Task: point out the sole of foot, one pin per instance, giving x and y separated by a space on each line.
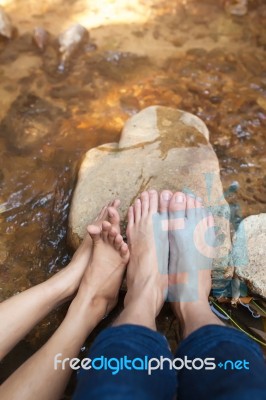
70 276
103 276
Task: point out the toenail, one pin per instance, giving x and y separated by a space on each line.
166 196
191 195
199 199
179 198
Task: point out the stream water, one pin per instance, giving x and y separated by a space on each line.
186 54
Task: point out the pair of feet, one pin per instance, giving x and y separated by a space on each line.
169 254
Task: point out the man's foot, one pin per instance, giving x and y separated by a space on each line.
103 277
69 277
192 239
147 272
192 249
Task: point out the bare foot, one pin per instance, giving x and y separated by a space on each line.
103 277
71 275
192 249
147 272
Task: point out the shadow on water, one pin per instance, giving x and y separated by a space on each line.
190 55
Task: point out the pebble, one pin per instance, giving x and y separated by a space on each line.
6 28
69 41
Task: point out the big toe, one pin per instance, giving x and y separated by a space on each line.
94 232
165 198
153 197
177 211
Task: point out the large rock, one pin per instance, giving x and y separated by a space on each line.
160 148
250 253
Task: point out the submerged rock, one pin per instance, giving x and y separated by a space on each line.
6 27
29 121
250 253
160 148
69 41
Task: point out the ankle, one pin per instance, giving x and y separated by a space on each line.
134 314
194 315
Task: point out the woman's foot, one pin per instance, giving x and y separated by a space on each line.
147 272
67 281
192 249
103 277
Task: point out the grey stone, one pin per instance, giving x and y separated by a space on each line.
249 253
160 148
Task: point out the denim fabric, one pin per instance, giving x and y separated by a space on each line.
132 341
221 343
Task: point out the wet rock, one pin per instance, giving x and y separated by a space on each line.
159 148
69 42
29 120
6 28
40 37
250 253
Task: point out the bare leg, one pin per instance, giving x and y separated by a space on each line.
147 272
192 239
37 377
20 313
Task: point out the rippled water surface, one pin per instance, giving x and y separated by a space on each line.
187 54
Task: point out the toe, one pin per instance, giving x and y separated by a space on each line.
94 232
116 203
112 234
106 226
210 220
101 213
153 200
198 202
178 204
124 251
130 222
130 217
199 209
177 207
144 197
137 210
113 216
118 241
191 205
165 198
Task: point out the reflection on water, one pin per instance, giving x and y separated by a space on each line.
191 55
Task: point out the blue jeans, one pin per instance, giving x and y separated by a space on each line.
238 371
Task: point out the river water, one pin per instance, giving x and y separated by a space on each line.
192 55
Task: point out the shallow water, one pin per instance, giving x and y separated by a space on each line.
186 54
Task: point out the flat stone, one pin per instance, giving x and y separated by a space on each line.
160 148
250 253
